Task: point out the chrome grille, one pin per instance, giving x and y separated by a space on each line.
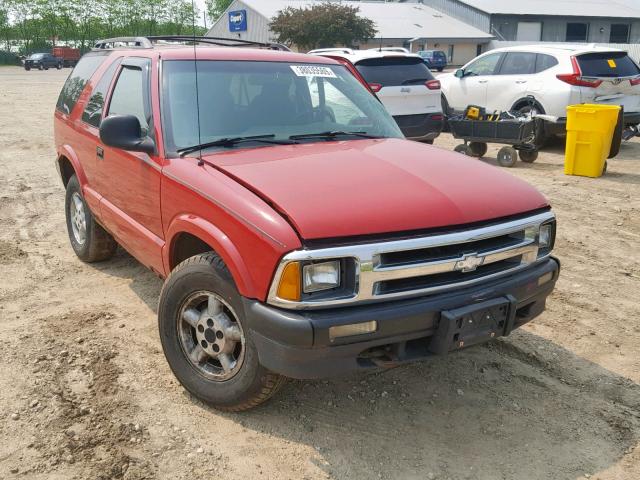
425 265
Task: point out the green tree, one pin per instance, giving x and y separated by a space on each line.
6 31
323 25
215 8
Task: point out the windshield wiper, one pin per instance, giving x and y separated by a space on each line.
414 80
232 141
332 134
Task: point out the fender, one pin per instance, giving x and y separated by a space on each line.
217 240
90 195
70 154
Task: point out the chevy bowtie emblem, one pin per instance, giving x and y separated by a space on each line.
469 262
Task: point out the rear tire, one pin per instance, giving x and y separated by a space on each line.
206 340
440 69
528 156
507 157
477 149
543 138
90 242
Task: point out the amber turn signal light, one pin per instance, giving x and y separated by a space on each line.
289 286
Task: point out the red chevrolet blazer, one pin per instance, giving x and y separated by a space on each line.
299 233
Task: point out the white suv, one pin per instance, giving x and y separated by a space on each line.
555 76
404 85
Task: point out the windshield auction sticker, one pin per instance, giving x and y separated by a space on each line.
312 71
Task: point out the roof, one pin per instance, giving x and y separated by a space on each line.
565 8
393 20
207 52
357 55
558 48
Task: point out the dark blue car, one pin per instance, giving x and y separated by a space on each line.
435 59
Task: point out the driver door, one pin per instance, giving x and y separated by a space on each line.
130 204
472 88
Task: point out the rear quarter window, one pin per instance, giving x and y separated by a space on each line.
78 79
607 64
394 71
545 62
93 111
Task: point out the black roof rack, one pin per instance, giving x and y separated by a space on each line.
148 42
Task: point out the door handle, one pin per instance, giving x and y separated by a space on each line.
483 81
100 152
521 81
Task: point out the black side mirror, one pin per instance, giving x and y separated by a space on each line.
459 73
123 131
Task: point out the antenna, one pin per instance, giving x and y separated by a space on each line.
195 68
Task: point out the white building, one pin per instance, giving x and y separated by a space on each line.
412 25
597 21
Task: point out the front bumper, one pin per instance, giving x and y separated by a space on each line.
420 127
297 343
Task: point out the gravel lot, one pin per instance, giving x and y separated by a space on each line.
85 391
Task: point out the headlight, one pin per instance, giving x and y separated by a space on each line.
326 279
320 276
546 238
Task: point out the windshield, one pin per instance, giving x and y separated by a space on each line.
36 56
247 99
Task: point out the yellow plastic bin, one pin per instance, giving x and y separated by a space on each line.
589 133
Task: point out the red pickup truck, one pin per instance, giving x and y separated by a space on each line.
299 233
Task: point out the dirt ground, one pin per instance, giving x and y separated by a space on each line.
85 391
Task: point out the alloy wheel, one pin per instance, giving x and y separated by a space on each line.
211 336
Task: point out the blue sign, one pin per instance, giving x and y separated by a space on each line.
238 21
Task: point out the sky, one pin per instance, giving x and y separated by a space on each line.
201 7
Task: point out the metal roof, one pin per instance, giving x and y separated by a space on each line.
393 20
564 8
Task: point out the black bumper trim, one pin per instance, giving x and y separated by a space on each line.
297 344
420 126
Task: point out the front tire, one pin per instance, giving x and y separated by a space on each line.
463 149
206 340
90 242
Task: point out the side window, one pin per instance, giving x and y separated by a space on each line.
483 66
518 63
78 79
93 111
545 62
130 95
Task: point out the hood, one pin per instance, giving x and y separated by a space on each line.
363 187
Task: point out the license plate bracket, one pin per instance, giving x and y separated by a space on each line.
473 324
